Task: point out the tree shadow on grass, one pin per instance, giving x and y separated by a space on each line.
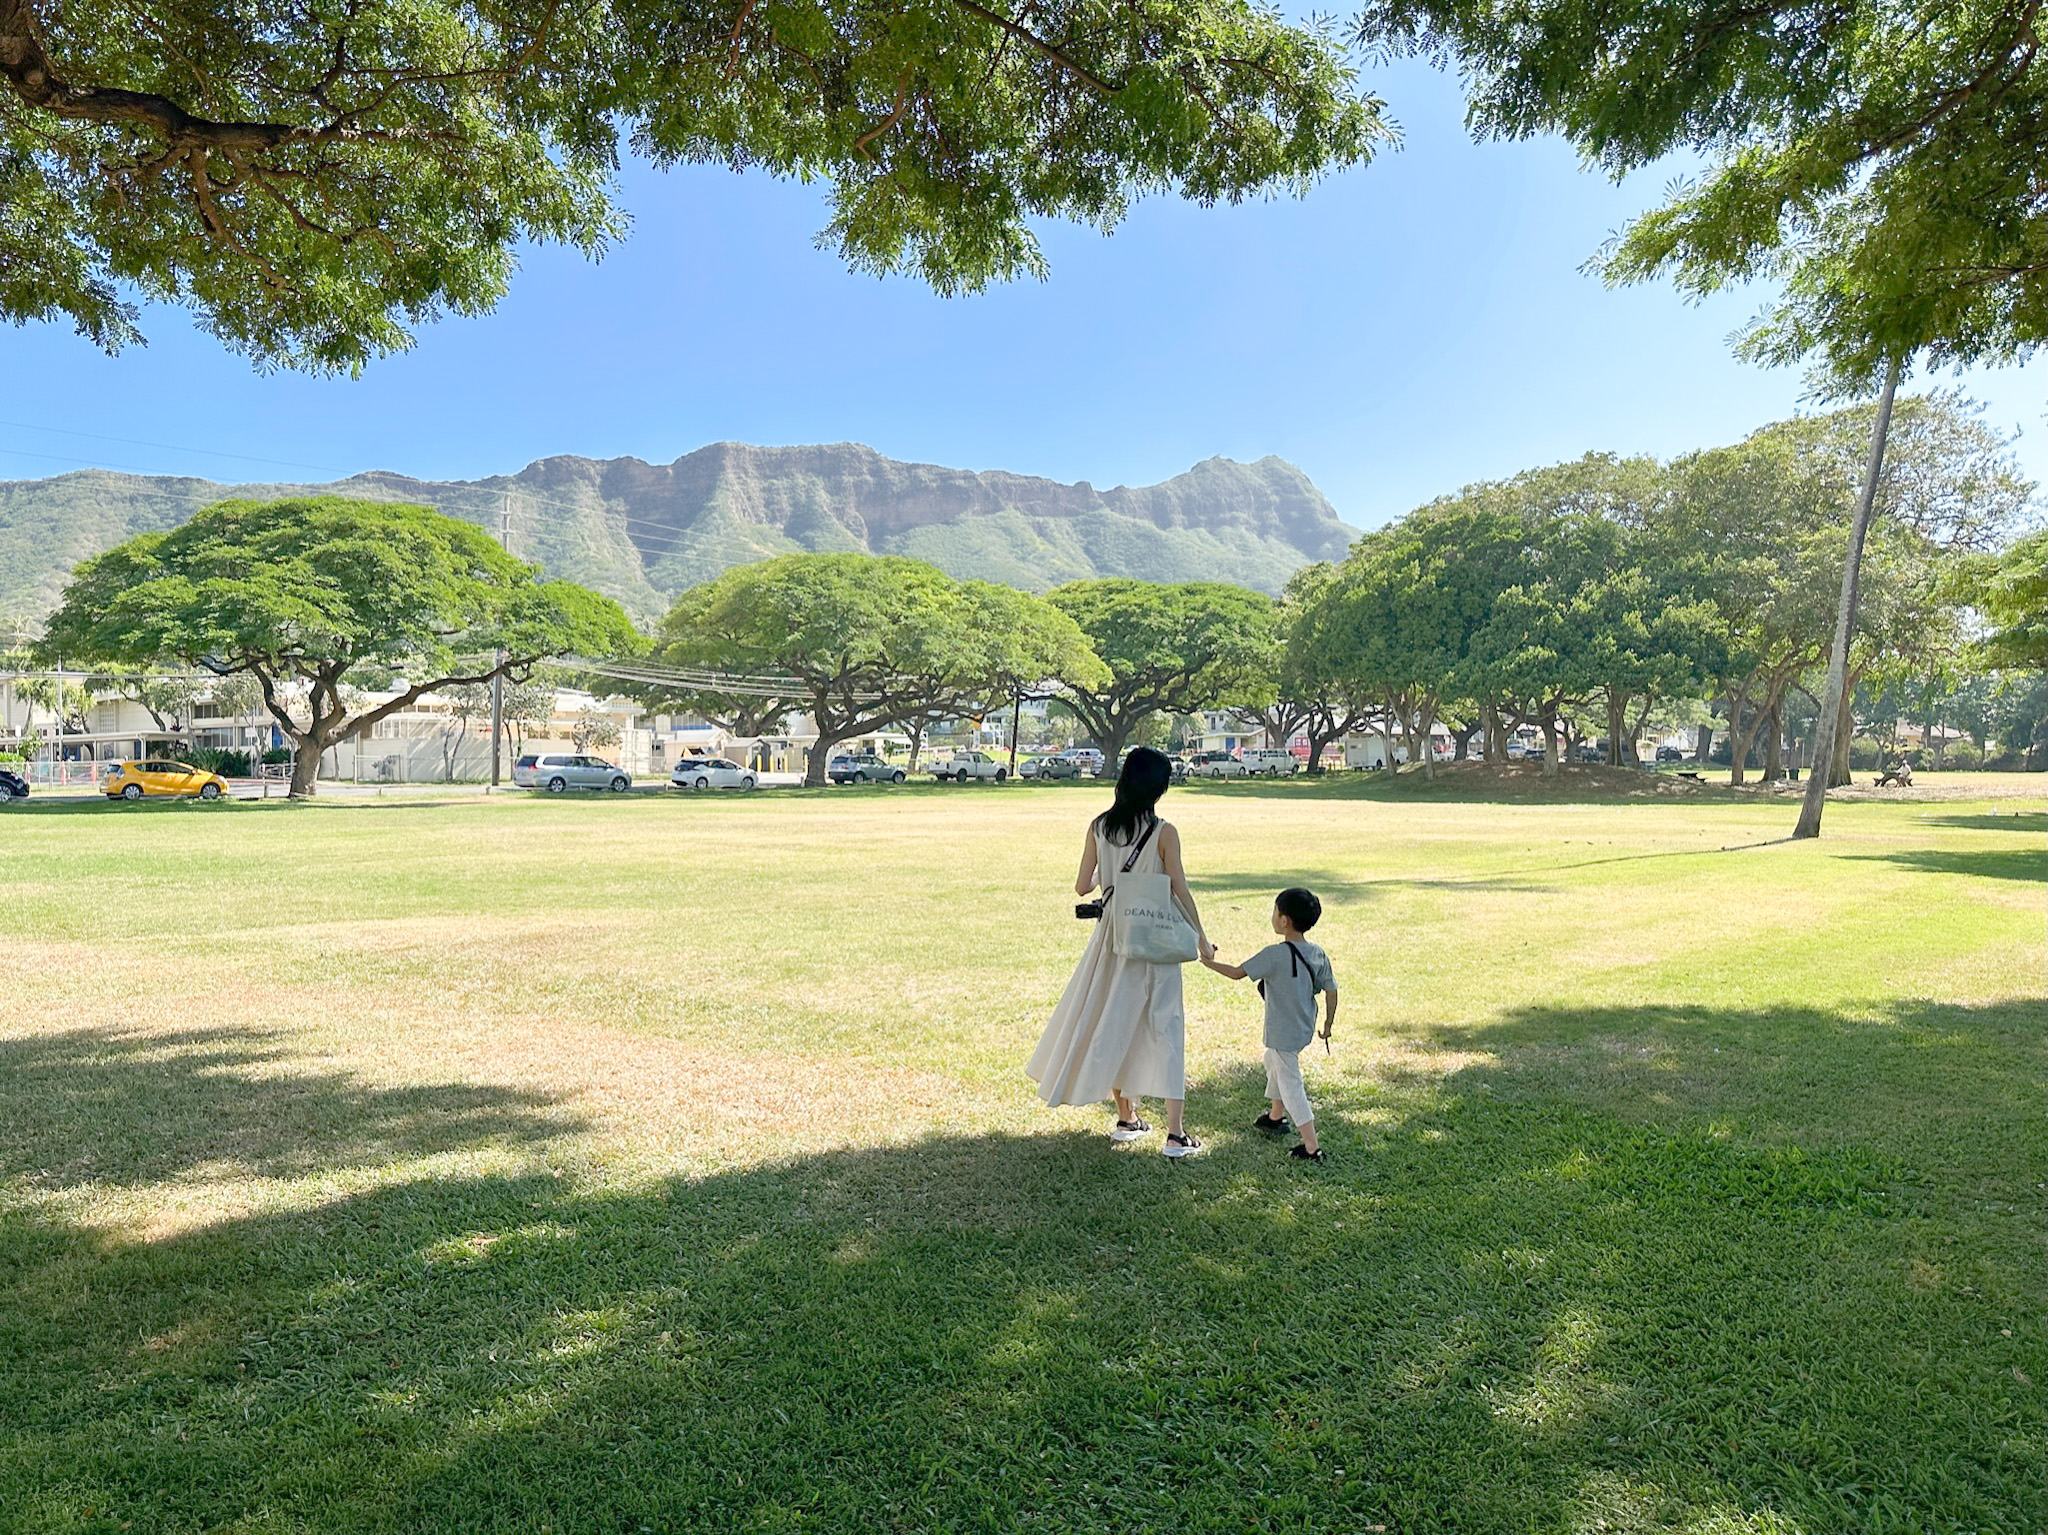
1508 1304
1477 783
114 1106
2004 863
1336 890
2029 822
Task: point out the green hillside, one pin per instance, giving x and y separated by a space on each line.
642 532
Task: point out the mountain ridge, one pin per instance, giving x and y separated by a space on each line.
643 531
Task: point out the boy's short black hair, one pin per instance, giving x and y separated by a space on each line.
1300 907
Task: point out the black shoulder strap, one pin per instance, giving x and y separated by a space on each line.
1139 846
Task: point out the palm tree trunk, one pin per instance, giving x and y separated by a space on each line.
1825 728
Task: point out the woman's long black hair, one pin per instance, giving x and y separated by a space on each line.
1143 778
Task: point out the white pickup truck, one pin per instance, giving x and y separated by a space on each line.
962 766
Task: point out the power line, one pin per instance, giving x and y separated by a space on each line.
168 447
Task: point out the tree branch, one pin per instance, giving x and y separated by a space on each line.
1052 51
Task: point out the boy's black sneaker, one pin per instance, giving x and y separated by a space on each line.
1302 1154
1268 1125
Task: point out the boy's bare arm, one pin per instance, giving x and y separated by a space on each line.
1231 972
1329 1011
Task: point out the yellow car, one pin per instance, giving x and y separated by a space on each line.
160 776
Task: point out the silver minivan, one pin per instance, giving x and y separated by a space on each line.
559 772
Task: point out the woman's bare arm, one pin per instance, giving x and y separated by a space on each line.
1169 857
1084 882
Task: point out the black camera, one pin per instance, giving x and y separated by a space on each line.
1088 911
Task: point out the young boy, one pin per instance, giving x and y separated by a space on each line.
1290 973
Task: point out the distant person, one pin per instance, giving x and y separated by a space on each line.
1290 973
1119 1031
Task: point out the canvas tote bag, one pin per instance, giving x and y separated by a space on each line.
1145 922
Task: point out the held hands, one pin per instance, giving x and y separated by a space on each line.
1206 949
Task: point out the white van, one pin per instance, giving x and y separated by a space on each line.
1269 761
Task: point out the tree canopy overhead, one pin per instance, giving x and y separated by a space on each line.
315 179
1880 157
300 594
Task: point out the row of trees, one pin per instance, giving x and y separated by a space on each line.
1609 586
1612 586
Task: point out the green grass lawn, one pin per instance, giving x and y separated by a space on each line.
667 1164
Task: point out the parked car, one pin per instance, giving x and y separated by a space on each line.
1269 761
962 766
1086 759
558 772
1670 754
1589 752
12 785
160 777
863 767
1050 768
710 773
1216 765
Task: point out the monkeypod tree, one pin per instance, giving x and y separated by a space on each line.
861 641
301 594
1319 693
1167 647
313 180
1879 161
2011 591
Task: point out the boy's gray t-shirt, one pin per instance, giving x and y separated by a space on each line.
1292 981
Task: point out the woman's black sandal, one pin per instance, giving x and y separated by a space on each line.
1129 1130
1180 1146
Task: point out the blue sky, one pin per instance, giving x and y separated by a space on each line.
1409 327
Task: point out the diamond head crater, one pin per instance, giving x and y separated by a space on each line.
643 532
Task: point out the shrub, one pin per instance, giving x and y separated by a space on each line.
1865 754
2005 760
278 754
227 761
1963 757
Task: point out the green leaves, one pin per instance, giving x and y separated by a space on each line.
2012 593
1171 647
315 183
302 593
1879 161
862 640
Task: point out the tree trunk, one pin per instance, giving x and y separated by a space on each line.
1463 736
1426 718
1774 744
1742 739
1828 726
1702 744
1634 756
1319 739
1617 723
1739 741
306 753
1496 748
915 730
1845 733
1553 758
820 757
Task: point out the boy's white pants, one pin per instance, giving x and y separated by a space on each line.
1283 1081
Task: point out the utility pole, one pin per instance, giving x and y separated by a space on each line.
497 672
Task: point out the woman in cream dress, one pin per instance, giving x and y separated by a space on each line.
1119 1031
